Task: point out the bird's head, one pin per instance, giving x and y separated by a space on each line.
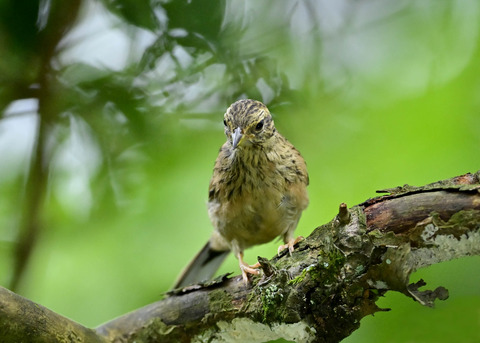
248 122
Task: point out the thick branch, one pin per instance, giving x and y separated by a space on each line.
22 320
320 293
333 278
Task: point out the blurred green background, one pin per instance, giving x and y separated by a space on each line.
111 119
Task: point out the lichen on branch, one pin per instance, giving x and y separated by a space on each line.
322 291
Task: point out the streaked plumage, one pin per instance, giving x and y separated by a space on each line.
257 191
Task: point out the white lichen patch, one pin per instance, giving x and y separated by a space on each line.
246 330
378 284
445 248
428 232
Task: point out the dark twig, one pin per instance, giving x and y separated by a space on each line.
60 19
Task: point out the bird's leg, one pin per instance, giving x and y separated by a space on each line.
246 268
289 244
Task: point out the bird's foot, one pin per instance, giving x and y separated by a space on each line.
248 269
290 245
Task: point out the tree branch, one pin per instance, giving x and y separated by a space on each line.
332 280
22 320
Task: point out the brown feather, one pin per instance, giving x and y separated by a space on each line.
258 189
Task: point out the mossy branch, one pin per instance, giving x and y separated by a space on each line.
320 293
22 320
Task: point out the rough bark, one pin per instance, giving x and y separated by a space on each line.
22 320
332 280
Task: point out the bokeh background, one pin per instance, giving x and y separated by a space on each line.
111 119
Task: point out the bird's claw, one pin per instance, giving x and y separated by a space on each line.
290 245
248 269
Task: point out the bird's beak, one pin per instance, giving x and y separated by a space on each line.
237 137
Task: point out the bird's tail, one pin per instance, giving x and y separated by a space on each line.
202 267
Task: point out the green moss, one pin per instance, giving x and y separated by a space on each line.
272 296
326 268
300 278
220 300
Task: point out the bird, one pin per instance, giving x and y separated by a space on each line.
257 192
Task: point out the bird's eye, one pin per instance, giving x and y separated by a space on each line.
259 126
224 122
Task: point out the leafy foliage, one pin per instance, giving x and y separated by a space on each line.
110 124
